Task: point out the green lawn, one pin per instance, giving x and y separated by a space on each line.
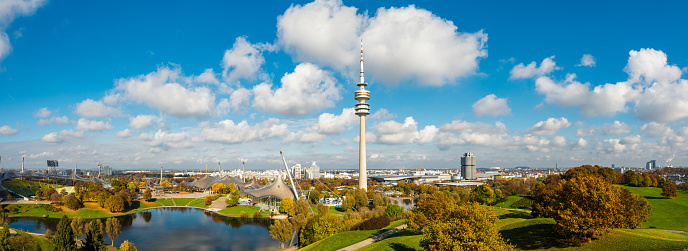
29 188
666 213
236 211
183 201
200 202
348 238
510 200
42 242
165 202
527 233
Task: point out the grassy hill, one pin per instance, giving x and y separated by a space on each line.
29 188
666 213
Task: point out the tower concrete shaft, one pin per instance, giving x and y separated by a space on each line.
362 109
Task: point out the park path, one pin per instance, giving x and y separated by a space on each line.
376 238
218 204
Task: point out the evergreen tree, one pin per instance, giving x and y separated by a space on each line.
5 237
64 236
94 237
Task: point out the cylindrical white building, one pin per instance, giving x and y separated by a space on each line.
362 109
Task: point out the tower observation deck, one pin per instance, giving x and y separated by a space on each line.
362 109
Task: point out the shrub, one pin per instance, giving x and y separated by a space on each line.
378 211
243 214
208 201
72 202
373 223
257 214
524 202
394 211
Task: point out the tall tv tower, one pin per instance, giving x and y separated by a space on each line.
362 109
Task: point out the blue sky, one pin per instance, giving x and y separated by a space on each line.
182 85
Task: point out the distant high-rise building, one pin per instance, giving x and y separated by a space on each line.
652 164
312 172
613 166
468 166
107 170
296 171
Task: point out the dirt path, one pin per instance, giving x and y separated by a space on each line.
376 238
666 230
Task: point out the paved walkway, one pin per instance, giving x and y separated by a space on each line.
218 204
376 238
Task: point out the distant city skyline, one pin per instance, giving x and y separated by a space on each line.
139 85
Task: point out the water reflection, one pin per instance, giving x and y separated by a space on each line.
178 229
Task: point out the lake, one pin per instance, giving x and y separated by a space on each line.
177 229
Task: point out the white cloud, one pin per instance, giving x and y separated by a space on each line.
207 77
7 130
41 155
617 128
228 132
333 124
163 140
631 139
322 32
92 125
434 53
603 100
306 90
56 120
392 132
159 90
382 114
522 71
243 61
143 121
429 49
582 142
55 137
585 132
95 109
587 60
126 133
491 105
10 10
655 130
304 137
43 113
549 126
649 65
239 100
663 101
610 146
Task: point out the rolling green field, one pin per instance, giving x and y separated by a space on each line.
29 188
200 202
165 202
666 213
236 211
510 200
348 238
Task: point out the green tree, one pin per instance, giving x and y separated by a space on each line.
115 203
318 227
72 202
64 237
348 201
669 190
302 207
147 195
448 226
113 227
5 237
208 201
361 198
314 196
378 200
39 194
393 211
287 206
94 237
23 241
322 209
78 225
282 231
127 246
483 194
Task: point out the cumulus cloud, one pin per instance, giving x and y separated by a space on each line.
584 132
207 77
92 125
306 90
43 113
491 105
587 60
549 126
243 61
631 139
582 142
649 65
663 101
655 130
126 133
610 146
228 132
143 121
522 71
95 109
54 120
616 128
392 132
10 10
160 91
329 123
164 140
431 50
239 100
7 130
602 100
434 52
58 137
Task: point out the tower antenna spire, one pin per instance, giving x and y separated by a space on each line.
362 109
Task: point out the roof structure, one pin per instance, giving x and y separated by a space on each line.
277 189
208 181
